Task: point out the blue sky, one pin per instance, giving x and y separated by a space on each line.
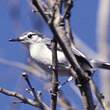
14 21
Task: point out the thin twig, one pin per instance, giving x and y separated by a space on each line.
40 9
68 7
66 16
36 97
25 76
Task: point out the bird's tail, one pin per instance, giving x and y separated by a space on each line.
100 64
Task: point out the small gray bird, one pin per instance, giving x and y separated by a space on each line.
40 51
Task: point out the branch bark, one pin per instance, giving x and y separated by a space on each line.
55 74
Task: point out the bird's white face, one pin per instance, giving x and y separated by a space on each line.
28 38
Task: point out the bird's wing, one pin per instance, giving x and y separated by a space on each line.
75 51
78 53
81 58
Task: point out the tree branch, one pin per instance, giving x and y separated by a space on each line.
55 74
58 29
22 98
66 16
34 93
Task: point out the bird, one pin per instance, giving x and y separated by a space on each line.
40 51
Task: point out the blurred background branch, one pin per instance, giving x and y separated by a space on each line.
102 42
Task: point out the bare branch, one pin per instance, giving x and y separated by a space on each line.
37 97
25 76
66 16
40 9
25 100
20 97
55 75
68 7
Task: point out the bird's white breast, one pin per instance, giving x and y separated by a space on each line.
41 53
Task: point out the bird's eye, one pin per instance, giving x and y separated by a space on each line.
30 36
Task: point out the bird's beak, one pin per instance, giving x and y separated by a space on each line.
15 40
